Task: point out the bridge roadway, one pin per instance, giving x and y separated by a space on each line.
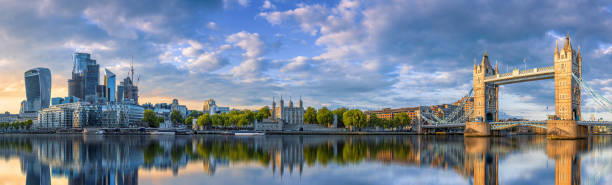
503 125
517 76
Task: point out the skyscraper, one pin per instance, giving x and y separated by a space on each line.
127 90
109 85
38 89
85 77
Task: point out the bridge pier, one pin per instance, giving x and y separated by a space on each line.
477 129
565 129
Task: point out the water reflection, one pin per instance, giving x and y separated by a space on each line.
120 159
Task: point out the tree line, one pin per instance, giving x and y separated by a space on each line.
235 118
17 125
354 118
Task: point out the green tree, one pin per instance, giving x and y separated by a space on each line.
160 120
176 117
195 114
401 120
339 112
374 121
204 120
310 116
29 123
265 111
325 116
150 118
217 120
189 120
354 118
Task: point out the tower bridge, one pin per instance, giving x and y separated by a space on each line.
565 124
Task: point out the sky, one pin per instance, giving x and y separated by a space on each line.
353 53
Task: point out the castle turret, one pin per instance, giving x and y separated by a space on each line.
300 104
273 114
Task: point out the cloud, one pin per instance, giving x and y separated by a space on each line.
250 42
212 25
268 5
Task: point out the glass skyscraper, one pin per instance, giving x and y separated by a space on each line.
38 89
109 85
85 77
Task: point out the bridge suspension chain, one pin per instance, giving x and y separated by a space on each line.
455 116
459 109
600 100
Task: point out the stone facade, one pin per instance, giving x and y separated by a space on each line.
567 90
283 117
485 95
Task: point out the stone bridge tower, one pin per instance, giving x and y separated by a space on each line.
567 94
567 90
485 100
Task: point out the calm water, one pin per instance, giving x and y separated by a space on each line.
267 160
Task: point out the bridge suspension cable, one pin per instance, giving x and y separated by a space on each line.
600 100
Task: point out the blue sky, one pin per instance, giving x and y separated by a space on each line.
388 53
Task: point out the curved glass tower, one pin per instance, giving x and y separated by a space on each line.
38 89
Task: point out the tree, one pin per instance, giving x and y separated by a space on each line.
217 120
339 112
28 123
150 118
354 118
204 120
374 121
310 116
189 120
195 114
176 117
401 120
265 111
160 120
325 116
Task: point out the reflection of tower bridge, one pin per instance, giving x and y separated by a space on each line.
567 122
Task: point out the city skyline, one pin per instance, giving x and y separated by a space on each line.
338 53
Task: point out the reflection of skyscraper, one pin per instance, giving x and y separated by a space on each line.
38 89
36 172
109 85
85 77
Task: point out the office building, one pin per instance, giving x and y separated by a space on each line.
109 85
85 77
85 114
38 89
60 100
210 107
127 90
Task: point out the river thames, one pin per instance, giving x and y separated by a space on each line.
265 160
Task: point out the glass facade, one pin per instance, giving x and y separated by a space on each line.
85 77
110 85
38 89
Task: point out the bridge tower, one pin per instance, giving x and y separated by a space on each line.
568 61
485 100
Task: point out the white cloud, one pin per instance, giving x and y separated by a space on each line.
250 42
194 49
114 20
604 49
229 3
212 25
297 64
88 46
268 5
206 62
